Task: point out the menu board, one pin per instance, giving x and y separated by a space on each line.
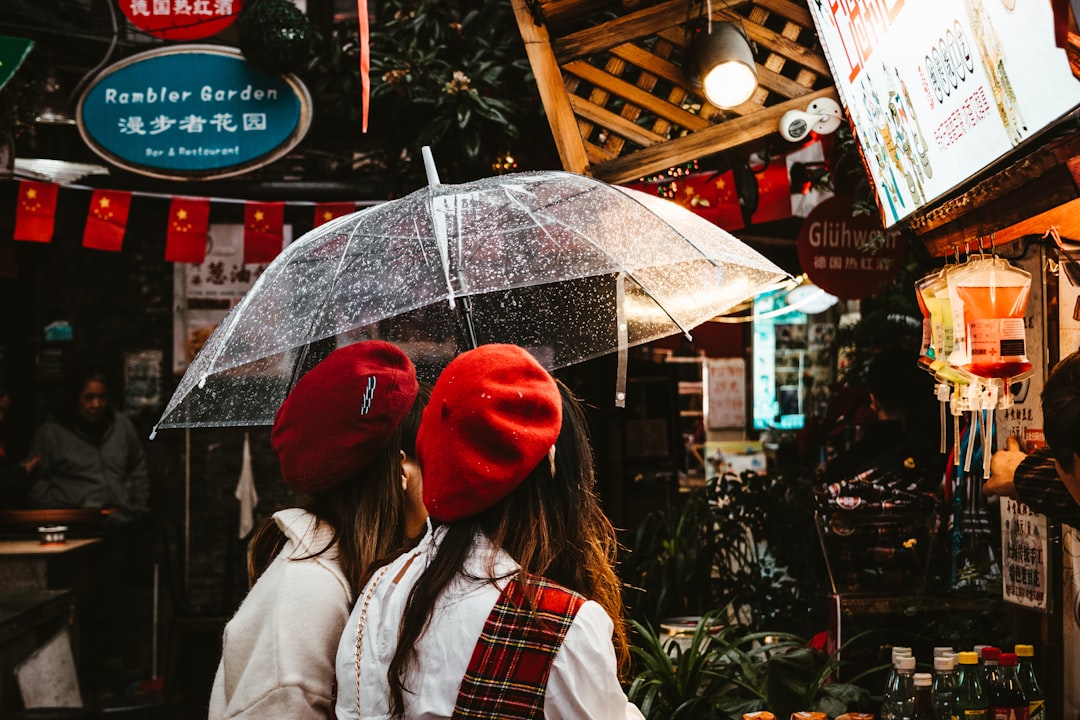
938 90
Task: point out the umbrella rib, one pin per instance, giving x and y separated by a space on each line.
629 273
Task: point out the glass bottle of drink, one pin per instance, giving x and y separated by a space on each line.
971 699
1007 699
924 706
989 657
898 703
888 702
1029 681
943 691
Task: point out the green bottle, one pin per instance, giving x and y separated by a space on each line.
971 700
1030 682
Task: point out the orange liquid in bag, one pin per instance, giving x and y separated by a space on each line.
1007 356
984 303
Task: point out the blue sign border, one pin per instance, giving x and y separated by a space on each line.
192 112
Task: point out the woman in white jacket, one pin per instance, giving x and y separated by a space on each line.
346 436
510 607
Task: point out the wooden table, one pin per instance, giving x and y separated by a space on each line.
27 565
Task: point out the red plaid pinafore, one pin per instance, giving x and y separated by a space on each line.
510 664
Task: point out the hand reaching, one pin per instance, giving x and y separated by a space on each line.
1002 467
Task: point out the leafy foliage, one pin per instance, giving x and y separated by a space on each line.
747 541
725 670
450 74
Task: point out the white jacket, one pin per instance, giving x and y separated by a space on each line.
583 682
278 650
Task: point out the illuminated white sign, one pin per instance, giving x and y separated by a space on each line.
937 90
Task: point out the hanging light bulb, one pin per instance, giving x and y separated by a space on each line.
720 63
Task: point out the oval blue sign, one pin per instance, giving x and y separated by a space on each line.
192 112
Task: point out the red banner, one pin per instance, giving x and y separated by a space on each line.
189 219
106 220
325 212
35 211
774 192
263 229
711 195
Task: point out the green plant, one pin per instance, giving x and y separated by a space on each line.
748 541
445 73
726 671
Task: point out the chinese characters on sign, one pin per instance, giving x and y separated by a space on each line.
726 393
938 90
205 292
847 255
181 19
1025 556
192 112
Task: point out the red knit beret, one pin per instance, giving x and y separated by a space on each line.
341 414
493 416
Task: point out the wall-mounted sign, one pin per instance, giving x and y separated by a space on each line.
192 112
845 254
181 19
937 90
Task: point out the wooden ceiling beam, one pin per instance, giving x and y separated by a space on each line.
703 143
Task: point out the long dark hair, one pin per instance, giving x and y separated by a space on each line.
366 513
552 526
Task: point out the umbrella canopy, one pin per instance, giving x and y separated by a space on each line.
564 265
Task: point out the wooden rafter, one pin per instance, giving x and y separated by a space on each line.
618 103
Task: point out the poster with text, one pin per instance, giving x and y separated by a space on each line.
726 393
1025 556
1070 617
937 90
203 294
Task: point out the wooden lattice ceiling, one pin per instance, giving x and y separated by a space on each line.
620 108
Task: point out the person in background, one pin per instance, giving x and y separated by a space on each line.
345 436
90 456
14 474
902 433
510 608
1047 480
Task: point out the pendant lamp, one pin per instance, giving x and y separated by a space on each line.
720 63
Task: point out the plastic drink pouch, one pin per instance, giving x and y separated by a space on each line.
994 296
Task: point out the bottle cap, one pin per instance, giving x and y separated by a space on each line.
905 662
990 653
944 662
977 649
922 679
1007 659
939 651
967 658
899 650
1024 650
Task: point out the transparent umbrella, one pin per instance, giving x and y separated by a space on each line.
564 265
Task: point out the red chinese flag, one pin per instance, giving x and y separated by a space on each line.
107 220
263 228
774 192
325 212
35 211
189 219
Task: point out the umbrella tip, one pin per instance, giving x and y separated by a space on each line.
153 433
429 165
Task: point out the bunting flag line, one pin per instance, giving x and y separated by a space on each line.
325 212
263 231
189 220
106 220
35 211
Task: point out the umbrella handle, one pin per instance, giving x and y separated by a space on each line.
429 165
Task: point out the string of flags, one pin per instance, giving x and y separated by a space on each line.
188 222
